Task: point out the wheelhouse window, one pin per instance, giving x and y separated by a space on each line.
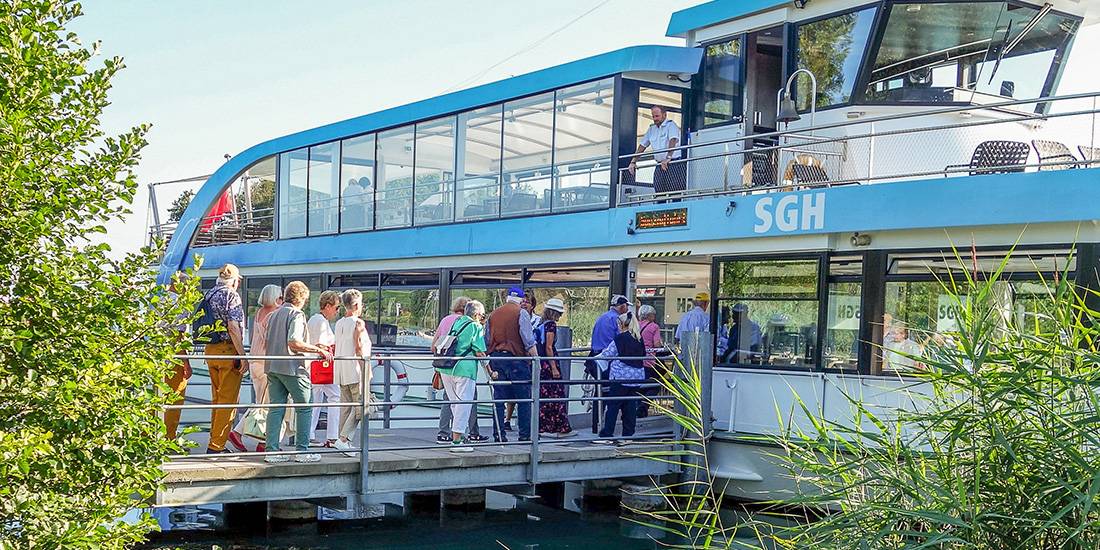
434 175
357 184
946 51
721 83
528 155
293 192
832 50
324 184
394 198
582 145
767 312
478 187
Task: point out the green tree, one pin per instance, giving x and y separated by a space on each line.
175 212
83 348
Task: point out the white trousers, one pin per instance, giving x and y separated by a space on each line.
459 388
326 393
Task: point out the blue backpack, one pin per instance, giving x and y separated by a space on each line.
205 328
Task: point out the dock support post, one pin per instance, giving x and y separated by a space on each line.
292 511
467 500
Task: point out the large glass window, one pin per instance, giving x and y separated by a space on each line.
357 183
434 174
582 145
324 183
478 186
394 198
293 185
721 78
409 308
931 51
832 49
768 311
528 155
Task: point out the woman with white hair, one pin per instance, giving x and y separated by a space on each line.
351 340
651 337
460 380
271 298
626 374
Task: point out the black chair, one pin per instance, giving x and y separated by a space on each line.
805 174
1089 154
995 157
763 168
1054 153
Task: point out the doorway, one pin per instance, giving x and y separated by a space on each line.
669 286
764 70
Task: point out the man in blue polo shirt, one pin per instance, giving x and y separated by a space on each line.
603 333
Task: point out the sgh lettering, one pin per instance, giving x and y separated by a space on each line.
790 213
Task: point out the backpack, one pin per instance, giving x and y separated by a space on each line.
204 328
449 347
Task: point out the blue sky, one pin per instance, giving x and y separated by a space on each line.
216 77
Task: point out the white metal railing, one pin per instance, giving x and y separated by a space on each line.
913 145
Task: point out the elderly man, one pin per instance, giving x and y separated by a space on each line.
670 173
603 332
219 327
289 378
696 319
508 334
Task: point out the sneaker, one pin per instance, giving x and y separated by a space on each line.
210 451
443 439
603 442
345 446
307 458
235 440
477 438
276 459
559 435
624 442
460 446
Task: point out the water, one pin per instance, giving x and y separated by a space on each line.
507 522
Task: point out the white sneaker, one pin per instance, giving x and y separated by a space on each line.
344 446
307 458
623 442
276 459
603 442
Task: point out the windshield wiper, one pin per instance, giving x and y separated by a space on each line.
1034 22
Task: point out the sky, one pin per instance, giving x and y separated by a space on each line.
215 77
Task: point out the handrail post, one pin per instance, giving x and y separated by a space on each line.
386 394
536 384
364 430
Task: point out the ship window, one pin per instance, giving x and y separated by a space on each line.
767 312
293 185
935 51
434 175
357 181
478 188
832 49
840 350
324 184
721 77
528 155
582 145
394 198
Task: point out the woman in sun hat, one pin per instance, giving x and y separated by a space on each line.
553 416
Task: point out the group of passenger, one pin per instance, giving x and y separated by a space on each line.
281 330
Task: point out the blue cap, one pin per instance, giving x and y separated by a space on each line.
515 291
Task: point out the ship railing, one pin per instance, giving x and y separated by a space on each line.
928 144
228 228
690 353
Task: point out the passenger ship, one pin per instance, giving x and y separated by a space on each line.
835 151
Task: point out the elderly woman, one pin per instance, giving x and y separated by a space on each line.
460 381
627 374
553 416
651 337
352 340
271 298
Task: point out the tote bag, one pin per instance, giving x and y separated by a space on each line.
448 347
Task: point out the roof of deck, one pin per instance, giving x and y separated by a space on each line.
714 12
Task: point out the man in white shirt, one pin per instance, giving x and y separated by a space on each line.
671 172
321 334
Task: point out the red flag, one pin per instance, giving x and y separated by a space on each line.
218 211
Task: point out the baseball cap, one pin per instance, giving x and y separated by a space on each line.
702 297
555 304
618 300
516 292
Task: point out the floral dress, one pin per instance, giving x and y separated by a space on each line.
553 417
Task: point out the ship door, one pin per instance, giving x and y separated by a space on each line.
669 285
764 77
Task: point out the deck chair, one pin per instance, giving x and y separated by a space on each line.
1055 153
995 157
1089 154
805 174
763 168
